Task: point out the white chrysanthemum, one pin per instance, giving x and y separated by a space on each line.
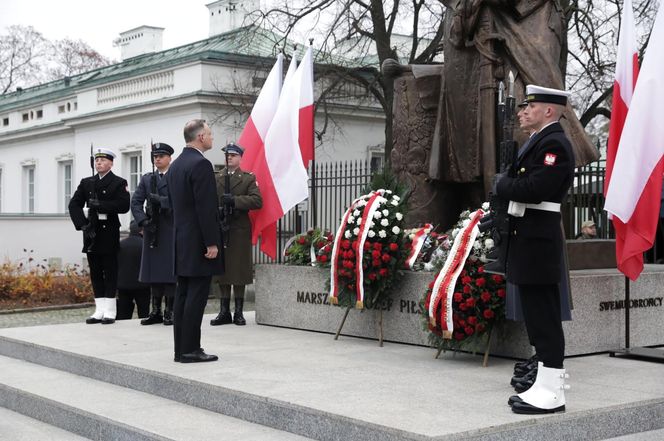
485 206
411 236
483 258
489 243
464 213
347 234
371 233
393 202
358 220
351 220
399 216
361 203
372 224
428 266
388 191
396 230
356 231
382 200
386 213
455 232
356 213
382 234
377 214
396 198
465 223
384 222
477 245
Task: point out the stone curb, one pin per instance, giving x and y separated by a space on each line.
265 411
71 419
47 308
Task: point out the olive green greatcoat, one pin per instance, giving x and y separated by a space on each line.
237 254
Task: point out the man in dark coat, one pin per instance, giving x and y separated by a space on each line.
535 185
157 256
106 196
130 290
242 196
198 248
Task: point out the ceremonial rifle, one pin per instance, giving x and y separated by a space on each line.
226 209
153 208
90 229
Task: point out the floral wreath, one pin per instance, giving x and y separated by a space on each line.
311 248
366 256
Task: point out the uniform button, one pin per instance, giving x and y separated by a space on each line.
104 226
515 232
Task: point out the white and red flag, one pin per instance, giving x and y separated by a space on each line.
306 111
636 145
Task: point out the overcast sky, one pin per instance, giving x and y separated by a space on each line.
98 23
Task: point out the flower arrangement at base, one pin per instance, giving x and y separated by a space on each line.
464 302
423 245
366 255
311 248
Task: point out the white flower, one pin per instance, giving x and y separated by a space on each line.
351 220
386 213
395 203
382 234
347 234
477 245
381 200
399 216
361 203
455 232
371 224
358 220
384 222
396 230
356 231
356 213
428 266
489 243
483 258
465 223
485 206
411 236
377 214
388 191
371 233
396 198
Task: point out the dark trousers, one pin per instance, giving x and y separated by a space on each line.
191 296
238 291
103 274
126 299
163 289
541 312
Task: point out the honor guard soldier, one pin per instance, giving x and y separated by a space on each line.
106 196
238 193
535 185
151 208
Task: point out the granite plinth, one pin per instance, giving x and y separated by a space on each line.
296 297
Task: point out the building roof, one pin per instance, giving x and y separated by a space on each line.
247 44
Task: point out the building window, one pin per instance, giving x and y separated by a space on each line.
376 156
135 170
66 179
29 180
40 114
5 122
61 108
26 117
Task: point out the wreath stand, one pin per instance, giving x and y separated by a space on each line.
380 326
485 359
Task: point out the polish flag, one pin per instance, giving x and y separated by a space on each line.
306 124
254 159
634 166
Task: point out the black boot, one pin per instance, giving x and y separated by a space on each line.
238 318
224 316
168 311
155 315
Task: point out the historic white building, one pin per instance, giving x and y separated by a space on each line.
46 131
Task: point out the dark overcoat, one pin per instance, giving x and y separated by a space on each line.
111 191
157 262
543 172
193 194
247 196
129 262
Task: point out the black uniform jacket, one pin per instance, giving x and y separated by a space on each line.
111 191
156 263
129 261
193 194
543 172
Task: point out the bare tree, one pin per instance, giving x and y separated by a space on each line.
22 52
71 57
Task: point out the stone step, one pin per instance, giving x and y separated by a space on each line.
103 411
17 427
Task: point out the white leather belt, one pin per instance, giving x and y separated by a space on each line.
104 216
518 209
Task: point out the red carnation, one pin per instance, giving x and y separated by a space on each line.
488 314
378 246
353 245
479 327
469 330
350 254
301 240
322 258
372 276
466 289
345 244
472 320
394 246
480 270
376 262
480 282
497 278
462 306
386 258
485 296
466 280
375 254
459 336
458 297
367 246
327 248
501 293
329 237
461 322
383 272
470 302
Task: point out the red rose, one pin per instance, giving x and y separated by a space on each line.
469 330
497 278
480 269
375 254
322 258
501 293
327 248
466 289
302 240
394 246
376 263
353 245
472 320
459 336
485 296
378 246
372 276
329 237
383 272
367 246
461 322
470 302
464 273
350 254
386 258
466 280
488 314
479 327
457 296
480 282
462 306
345 244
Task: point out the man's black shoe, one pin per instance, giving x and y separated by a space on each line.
198 356
92 320
176 359
224 318
528 409
238 319
107 321
152 319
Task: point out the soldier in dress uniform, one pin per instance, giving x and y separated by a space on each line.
535 185
105 195
157 255
242 196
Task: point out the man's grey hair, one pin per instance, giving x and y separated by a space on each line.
192 129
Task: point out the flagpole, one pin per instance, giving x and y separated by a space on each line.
627 305
314 198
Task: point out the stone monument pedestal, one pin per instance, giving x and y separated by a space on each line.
296 297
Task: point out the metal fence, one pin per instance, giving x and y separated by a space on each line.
337 184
